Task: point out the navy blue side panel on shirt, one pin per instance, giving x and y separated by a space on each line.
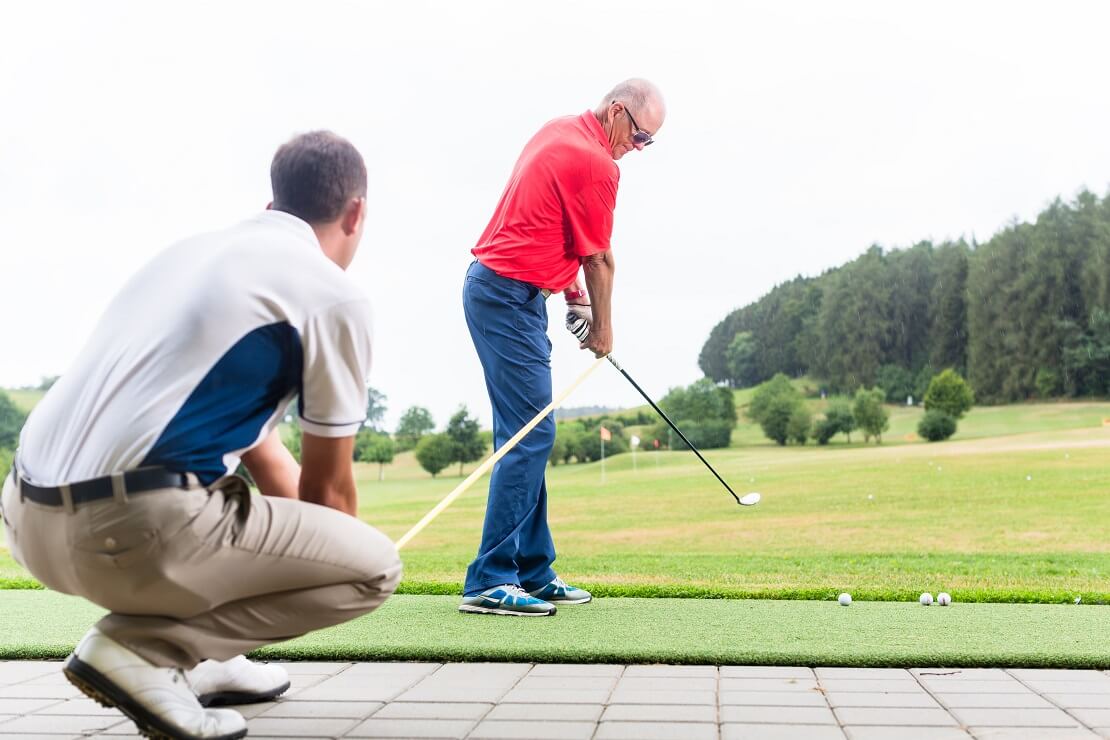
227 410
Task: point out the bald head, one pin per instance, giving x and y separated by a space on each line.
632 105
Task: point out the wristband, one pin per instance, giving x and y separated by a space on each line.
571 295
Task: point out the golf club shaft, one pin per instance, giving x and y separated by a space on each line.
673 426
492 459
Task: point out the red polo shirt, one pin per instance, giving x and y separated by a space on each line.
557 207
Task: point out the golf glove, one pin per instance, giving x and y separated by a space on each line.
579 318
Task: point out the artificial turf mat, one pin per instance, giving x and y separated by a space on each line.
43 624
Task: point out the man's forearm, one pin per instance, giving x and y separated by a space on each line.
599 269
275 471
342 496
327 475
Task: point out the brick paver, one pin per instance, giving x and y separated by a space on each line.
599 702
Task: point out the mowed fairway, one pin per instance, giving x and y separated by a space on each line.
1019 517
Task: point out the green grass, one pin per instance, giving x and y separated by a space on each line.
989 518
628 631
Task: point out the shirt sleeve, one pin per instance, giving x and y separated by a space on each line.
336 346
590 216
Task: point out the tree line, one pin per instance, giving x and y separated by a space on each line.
1025 314
462 441
704 411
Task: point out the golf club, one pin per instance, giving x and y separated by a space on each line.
750 499
492 459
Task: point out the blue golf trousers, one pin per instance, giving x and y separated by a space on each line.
508 323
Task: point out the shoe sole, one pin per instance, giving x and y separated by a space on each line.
233 698
466 609
586 600
95 685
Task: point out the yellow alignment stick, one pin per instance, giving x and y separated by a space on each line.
492 459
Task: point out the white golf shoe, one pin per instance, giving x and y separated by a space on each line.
158 700
237 681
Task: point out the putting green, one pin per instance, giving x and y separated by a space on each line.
43 624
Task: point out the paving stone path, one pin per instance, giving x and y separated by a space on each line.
610 702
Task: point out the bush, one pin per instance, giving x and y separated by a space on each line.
587 446
571 436
435 452
797 428
936 426
897 382
706 435
641 417
839 416
702 400
559 448
867 408
775 418
950 393
823 430
765 395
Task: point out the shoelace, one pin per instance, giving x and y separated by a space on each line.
514 590
560 582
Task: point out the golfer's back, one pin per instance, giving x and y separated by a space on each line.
195 360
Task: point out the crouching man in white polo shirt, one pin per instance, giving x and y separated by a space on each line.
121 490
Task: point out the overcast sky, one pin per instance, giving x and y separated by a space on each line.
798 134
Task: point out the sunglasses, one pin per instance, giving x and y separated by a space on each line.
639 136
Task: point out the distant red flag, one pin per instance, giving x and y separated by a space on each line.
657 444
605 434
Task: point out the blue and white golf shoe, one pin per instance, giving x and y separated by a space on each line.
559 592
509 600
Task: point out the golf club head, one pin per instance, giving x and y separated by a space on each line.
750 499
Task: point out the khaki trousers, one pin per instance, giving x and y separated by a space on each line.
195 574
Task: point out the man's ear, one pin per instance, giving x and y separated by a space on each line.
356 211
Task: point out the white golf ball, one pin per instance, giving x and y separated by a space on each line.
926 599
944 599
1028 477
844 599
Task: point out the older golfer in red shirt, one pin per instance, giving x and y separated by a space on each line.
554 219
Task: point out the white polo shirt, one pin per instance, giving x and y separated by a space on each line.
196 359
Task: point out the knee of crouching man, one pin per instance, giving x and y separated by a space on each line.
393 572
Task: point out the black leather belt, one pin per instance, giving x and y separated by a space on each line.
94 489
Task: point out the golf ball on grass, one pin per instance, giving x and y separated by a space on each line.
926 599
943 599
844 599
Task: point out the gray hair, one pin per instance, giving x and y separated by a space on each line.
637 93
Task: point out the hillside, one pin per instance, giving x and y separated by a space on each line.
1024 315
